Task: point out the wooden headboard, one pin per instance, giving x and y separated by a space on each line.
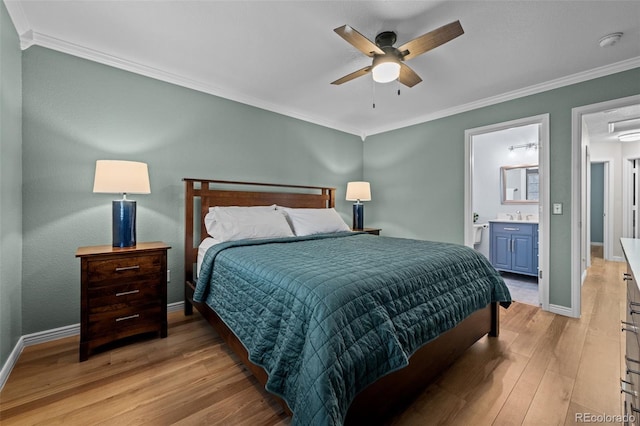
202 194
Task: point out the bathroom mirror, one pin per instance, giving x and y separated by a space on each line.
519 184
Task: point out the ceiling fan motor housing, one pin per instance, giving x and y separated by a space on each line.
386 39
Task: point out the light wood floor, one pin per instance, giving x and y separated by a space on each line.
542 370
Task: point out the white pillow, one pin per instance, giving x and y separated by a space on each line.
210 217
315 221
231 225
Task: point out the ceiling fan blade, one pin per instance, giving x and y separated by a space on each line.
408 77
431 40
355 74
358 41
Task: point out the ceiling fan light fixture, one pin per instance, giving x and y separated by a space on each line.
385 69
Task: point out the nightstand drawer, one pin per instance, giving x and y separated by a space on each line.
129 293
124 267
121 315
120 323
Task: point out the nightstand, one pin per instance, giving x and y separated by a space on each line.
123 293
372 231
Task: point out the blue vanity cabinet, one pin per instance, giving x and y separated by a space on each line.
513 247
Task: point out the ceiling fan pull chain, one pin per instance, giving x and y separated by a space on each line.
373 93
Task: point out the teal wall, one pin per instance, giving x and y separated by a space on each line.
10 186
417 172
77 111
597 202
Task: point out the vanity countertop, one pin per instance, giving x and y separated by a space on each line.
513 221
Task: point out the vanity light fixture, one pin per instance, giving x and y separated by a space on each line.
528 146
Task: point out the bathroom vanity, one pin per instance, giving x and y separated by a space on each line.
514 246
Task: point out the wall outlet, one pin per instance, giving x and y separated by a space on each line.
557 208
168 275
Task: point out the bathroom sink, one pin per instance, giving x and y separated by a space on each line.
512 217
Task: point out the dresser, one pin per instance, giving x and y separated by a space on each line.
630 382
123 293
513 246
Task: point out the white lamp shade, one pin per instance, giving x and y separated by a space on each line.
121 177
358 191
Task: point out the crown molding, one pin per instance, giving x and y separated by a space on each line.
515 94
30 38
17 15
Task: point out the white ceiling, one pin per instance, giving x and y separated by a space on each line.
626 120
281 56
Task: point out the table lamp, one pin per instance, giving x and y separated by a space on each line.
122 177
358 191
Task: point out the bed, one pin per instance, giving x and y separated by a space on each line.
340 327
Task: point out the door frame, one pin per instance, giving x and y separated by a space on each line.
543 207
607 226
577 191
627 194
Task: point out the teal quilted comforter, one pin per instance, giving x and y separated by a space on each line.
327 315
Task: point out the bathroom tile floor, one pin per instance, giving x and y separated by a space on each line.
523 288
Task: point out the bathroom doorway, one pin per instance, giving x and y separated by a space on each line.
505 192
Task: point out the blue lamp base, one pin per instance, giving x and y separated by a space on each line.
124 223
358 216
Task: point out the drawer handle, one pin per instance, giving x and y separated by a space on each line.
633 312
633 409
124 293
629 370
627 391
127 268
626 357
631 327
137 316
634 304
511 229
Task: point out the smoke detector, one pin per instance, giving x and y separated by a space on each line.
610 39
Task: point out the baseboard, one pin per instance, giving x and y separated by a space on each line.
176 306
48 336
11 362
561 310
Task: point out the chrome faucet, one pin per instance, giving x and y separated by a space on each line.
519 217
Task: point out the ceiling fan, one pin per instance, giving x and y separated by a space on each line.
388 61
